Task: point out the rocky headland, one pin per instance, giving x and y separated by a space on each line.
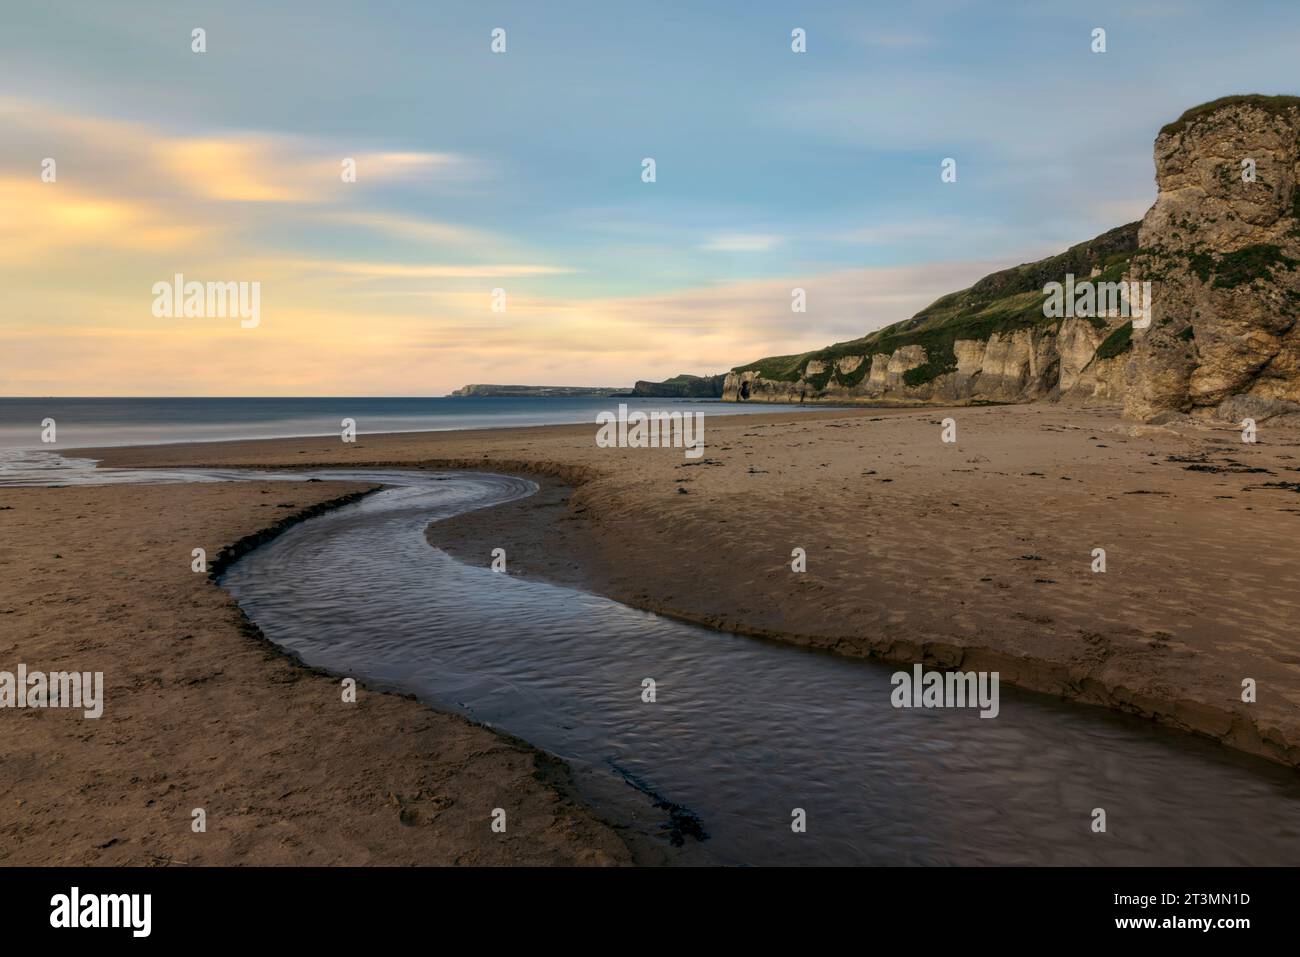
1220 249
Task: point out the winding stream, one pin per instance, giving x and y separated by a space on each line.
744 731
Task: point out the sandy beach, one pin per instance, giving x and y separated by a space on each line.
976 554
201 712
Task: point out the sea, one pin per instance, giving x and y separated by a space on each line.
93 422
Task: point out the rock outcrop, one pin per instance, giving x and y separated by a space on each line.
682 386
1220 248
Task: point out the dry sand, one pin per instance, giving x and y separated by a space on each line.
200 712
976 554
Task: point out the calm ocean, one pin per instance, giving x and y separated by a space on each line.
97 422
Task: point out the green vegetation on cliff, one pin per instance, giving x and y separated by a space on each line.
1274 105
684 386
1002 302
1118 342
1243 266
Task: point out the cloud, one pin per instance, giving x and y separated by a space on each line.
742 243
245 170
154 201
267 169
40 219
444 271
319 336
411 228
241 166
889 234
410 166
341 311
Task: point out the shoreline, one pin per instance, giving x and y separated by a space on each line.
730 407
1145 649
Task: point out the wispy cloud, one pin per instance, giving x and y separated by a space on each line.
244 170
445 271
39 220
411 228
742 243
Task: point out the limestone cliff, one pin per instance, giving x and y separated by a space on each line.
991 342
1220 248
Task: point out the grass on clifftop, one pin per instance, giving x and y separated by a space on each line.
1001 302
1273 105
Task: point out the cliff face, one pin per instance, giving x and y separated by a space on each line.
1222 255
991 342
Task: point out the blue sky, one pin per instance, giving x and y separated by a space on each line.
773 168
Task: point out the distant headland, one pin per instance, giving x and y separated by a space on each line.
682 386
537 391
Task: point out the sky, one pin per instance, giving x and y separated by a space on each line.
522 171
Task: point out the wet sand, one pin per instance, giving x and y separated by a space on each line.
977 554
201 712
